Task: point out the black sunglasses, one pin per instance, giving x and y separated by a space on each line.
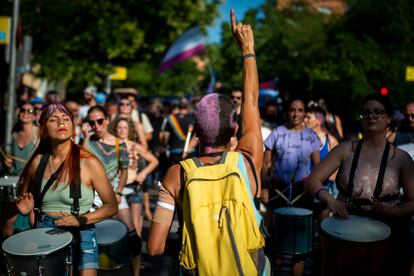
124 104
409 115
99 121
24 110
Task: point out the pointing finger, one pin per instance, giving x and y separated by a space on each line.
233 21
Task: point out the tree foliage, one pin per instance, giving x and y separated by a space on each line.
341 58
80 41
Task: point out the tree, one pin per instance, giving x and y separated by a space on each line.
338 57
80 41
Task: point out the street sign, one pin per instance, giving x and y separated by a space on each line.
409 74
4 30
120 73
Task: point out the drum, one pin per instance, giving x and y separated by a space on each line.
113 244
43 251
8 188
355 246
292 230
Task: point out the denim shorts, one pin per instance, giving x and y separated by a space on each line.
137 197
85 257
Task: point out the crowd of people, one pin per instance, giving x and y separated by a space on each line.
79 163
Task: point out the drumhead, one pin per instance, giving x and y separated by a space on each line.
356 229
110 231
9 181
36 242
293 211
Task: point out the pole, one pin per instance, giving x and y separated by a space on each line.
11 95
108 85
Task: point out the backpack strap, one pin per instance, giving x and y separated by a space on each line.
249 160
255 198
117 148
233 242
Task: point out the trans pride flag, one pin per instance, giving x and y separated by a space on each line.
191 43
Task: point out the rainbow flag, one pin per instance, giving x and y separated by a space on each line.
175 124
191 43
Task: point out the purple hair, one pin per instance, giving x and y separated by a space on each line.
216 118
47 112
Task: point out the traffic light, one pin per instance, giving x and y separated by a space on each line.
384 91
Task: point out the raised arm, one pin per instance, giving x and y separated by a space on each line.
251 141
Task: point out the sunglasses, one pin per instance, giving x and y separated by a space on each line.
93 123
124 104
24 110
374 114
409 115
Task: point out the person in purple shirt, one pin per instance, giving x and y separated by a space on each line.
290 149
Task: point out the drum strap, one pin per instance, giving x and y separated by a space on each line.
381 173
38 194
75 192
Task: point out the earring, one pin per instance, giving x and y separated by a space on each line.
71 138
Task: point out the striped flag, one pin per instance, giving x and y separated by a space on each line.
191 43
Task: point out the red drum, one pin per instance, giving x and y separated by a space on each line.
355 246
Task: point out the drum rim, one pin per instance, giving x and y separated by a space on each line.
293 215
46 253
66 248
13 181
114 242
357 241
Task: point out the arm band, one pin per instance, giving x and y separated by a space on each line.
248 56
318 192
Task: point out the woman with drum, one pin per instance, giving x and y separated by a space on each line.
58 185
112 152
370 177
290 150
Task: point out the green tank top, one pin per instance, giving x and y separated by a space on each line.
57 198
23 153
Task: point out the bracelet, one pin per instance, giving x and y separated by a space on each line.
81 220
248 56
119 193
318 192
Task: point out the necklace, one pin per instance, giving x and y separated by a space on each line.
51 164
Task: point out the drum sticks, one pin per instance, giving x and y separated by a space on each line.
5 156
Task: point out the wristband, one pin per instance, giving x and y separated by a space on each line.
317 193
119 193
248 56
81 220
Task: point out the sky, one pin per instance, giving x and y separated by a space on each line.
239 6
